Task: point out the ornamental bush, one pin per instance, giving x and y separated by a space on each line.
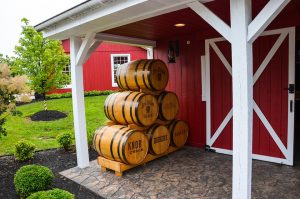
86 94
24 150
32 178
52 194
65 140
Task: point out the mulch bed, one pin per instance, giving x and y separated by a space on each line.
49 115
57 160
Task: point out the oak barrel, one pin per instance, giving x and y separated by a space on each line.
159 139
151 74
168 106
179 132
121 144
131 108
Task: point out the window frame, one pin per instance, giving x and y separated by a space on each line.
112 56
69 72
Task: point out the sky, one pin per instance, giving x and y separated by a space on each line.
36 11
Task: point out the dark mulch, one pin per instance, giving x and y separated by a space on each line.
57 160
48 115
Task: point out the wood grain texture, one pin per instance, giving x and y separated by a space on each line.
119 143
131 108
145 74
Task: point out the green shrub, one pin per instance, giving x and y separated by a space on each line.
24 150
86 93
32 178
65 140
53 96
90 136
66 95
52 194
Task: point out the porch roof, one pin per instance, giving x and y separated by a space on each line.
102 15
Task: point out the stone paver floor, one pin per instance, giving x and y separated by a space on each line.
188 173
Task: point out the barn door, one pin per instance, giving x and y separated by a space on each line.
273 96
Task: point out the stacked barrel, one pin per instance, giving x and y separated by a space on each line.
142 114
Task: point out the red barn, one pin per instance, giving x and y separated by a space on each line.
234 70
99 70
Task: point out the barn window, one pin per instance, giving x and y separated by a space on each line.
116 61
67 70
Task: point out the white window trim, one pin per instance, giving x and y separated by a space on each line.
112 66
68 85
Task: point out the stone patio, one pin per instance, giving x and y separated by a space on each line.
188 173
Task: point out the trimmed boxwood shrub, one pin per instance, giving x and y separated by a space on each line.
52 194
86 93
65 140
32 178
24 150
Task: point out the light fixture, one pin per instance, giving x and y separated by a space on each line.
179 25
171 52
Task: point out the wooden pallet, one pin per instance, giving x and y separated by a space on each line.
120 167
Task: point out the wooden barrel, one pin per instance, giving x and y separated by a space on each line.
121 144
159 139
151 74
168 106
131 108
179 131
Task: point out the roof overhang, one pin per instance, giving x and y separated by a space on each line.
101 15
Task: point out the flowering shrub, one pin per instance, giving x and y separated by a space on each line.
9 87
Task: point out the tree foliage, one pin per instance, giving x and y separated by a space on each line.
9 87
41 59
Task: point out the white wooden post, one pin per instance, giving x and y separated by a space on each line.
242 84
80 50
78 105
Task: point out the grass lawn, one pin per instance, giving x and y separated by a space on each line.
43 134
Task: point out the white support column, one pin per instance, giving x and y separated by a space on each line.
242 71
150 53
78 105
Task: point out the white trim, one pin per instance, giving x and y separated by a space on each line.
270 129
113 84
207 93
69 86
221 127
276 31
84 48
269 56
264 18
291 96
222 57
283 32
255 156
92 48
150 52
203 79
125 40
212 19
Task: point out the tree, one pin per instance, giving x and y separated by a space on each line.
6 59
41 59
9 87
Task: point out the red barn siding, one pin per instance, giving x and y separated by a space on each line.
185 80
97 69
